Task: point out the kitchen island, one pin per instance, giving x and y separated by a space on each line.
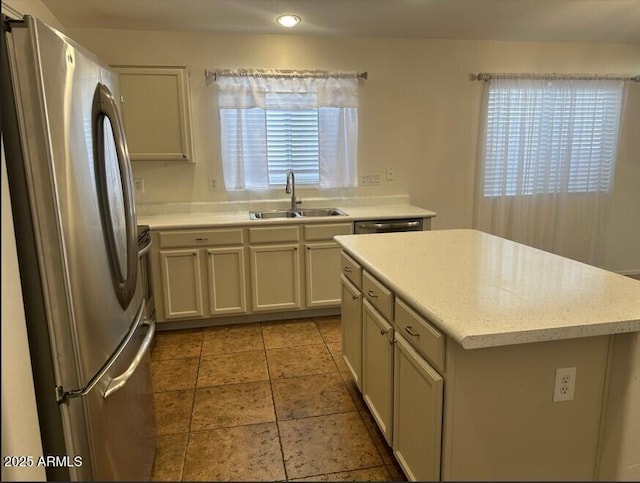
484 359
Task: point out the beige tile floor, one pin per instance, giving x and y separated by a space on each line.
262 402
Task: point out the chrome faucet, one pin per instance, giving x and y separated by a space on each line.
291 189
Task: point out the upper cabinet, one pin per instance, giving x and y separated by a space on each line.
156 112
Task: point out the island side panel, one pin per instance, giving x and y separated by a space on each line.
620 438
501 423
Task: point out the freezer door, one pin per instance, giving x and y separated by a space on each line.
119 411
78 183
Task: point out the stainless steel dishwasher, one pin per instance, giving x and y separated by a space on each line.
388 226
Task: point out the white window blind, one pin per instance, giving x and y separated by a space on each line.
550 136
269 125
293 143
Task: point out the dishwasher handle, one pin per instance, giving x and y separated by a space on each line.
380 226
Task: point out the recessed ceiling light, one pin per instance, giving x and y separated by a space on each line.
288 20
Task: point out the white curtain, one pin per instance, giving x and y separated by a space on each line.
546 163
245 96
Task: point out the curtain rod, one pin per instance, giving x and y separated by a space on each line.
484 76
211 75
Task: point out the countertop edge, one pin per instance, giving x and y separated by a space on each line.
495 339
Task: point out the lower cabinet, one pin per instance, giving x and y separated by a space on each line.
351 315
322 269
402 389
181 284
275 277
417 423
205 273
275 267
377 368
322 263
227 282
199 273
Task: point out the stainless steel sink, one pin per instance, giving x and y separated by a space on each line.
304 213
321 212
265 215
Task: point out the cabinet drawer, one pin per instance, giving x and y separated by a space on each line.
195 238
378 295
351 269
428 340
326 231
274 234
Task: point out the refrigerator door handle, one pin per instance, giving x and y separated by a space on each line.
105 107
63 395
118 382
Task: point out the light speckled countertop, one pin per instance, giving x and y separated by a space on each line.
484 291
201 219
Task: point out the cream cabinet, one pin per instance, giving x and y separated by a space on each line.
156 112
399 384
201 273
417 413
181 284
322 264
244 270
351 317
275 268
226 280
377 368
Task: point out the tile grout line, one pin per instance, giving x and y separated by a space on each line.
193 406
273 401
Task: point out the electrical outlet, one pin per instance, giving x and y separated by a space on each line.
565 384
369 179
213 184
138 184
388 174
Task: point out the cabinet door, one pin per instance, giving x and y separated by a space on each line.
322 267
275 277
377 368
352 329
226 269
156 112
417 411
181 283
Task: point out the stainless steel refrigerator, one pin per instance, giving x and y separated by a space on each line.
72 199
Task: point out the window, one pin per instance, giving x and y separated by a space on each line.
550 136
546 162
271 124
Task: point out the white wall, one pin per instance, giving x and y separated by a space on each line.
32 7
419 111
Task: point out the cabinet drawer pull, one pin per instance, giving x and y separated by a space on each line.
410 331
384 331
372 294
355 297
201 238
347 269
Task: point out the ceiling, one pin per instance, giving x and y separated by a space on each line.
520 20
